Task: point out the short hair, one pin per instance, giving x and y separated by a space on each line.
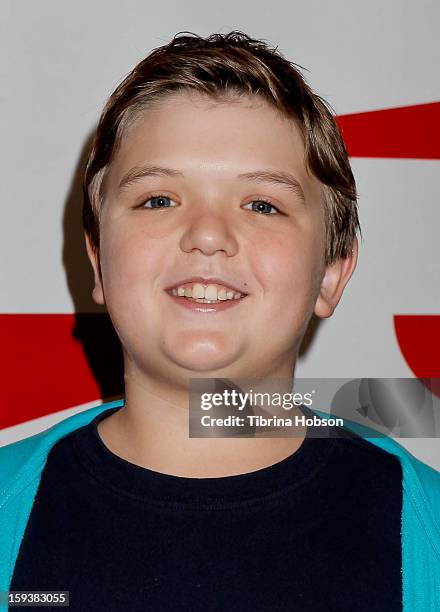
224 66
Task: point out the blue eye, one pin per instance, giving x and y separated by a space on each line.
160 201
157 201
261 206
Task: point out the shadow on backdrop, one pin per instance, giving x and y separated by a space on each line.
93 327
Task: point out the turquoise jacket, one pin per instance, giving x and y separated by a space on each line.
21 464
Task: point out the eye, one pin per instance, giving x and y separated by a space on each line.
157 201
262 206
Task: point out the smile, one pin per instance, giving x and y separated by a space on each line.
214 297
206 294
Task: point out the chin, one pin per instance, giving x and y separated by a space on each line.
202 352
204 359
212 364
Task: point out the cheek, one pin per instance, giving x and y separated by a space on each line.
283 265
286 266
130 262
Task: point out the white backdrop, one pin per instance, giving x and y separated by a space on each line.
60 61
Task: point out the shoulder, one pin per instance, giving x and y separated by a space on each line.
417 475
14 456
365 471
420 483
24 460
370 442
364 454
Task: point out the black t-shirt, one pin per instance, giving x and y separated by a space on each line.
319 530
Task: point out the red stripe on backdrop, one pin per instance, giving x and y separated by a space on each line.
404 132
45 366
418 337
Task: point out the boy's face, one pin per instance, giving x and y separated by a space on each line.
210 227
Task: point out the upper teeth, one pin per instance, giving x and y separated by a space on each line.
210 292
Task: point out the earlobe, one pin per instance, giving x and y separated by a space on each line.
334 282
93 255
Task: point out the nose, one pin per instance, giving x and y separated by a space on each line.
209 232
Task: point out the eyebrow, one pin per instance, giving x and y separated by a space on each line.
276 177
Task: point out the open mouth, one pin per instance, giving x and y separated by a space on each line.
206 294
205 297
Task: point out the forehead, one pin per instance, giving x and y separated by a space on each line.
212 139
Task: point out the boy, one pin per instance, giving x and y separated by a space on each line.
220 215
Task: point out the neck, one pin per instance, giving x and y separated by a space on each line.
152 431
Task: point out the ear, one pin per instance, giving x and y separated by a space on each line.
98 292
333 284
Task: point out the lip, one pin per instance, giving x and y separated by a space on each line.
206 281
200 307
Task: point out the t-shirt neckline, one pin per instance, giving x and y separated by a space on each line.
139 482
